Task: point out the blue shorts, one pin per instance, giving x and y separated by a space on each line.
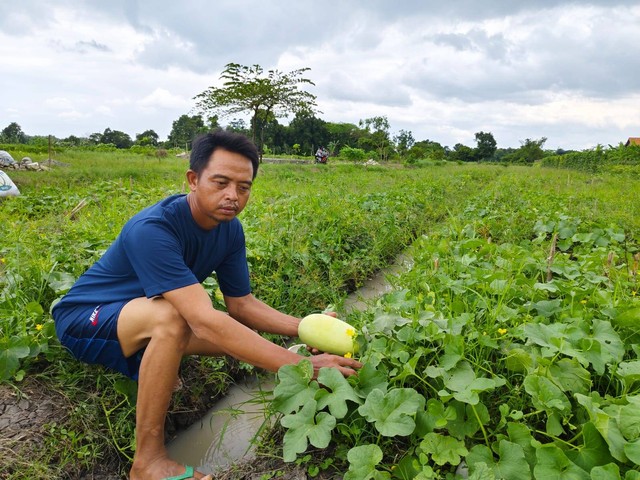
90 333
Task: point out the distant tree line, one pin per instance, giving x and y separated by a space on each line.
272 95
370 138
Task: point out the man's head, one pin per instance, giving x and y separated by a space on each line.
204 145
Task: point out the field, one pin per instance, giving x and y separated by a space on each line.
511 341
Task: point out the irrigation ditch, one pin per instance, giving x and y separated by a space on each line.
227 434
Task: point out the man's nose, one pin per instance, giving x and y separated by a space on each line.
231 192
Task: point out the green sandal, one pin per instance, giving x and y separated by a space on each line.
187 474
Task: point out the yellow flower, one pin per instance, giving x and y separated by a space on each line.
633 293
351 332
348 355
502 331
3 260
584 302
39 327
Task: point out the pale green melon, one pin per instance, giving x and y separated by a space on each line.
328 334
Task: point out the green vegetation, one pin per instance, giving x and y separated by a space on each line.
511 345
513 336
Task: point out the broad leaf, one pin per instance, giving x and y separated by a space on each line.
362 463
545 395
593 452
553 464
606 472
392 412
443 448
305 426
339 391
294 387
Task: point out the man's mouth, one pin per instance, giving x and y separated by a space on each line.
229 208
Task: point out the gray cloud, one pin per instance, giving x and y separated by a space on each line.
438 68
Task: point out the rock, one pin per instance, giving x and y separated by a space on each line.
6 159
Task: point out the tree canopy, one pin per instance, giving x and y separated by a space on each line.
13 133
248 89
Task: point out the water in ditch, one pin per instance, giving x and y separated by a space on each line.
226 433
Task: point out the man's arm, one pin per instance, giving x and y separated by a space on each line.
240 341
259 316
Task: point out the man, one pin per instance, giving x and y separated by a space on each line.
142 307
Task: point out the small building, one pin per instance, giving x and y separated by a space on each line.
633 141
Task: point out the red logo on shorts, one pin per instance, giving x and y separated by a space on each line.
94 315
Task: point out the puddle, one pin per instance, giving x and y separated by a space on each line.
226 433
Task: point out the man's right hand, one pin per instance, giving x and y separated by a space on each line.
346 366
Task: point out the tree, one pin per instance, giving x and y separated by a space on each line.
309 132
13 133
117 138
147 138
404 141
377 129
184 129
238 125
95 138
529 152
343 134
486 146
265 96
426 149
462 153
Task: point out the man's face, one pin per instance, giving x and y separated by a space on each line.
222 190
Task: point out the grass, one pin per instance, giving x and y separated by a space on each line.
315 233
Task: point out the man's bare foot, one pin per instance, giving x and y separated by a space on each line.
165 468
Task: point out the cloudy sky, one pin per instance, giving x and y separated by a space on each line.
444 70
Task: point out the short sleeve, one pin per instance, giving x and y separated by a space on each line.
155 255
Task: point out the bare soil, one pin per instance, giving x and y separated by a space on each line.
28 411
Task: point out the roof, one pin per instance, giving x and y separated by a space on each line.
632 141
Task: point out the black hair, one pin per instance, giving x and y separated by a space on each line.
205 144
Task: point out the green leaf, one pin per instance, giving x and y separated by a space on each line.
602 346
548 308
294 387
629 372
439 414
340 392
511 461
606 472
605 423
570 376
306 426
371 378
553 464
362 463
466 424
519 433
410 468
392 412
34 308
11 352
545 395
482 472
443 448
629 419
593 452
464 384
632 450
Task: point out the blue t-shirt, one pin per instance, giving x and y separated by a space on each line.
160 249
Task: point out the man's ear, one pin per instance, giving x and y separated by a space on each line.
192 179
